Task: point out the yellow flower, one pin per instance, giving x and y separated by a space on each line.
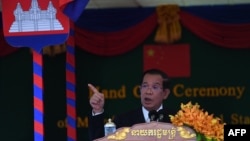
201 121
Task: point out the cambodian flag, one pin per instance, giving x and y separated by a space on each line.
39 23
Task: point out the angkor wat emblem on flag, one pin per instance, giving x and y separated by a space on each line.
35 19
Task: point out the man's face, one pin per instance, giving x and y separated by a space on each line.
152 92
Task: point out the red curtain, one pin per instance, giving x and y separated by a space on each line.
225 35
235 36
115 43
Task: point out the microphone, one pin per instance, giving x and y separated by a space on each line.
153 115
161 116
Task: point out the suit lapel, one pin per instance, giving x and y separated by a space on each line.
139 116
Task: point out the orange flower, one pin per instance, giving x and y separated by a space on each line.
198 119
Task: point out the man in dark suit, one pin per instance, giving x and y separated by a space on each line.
154 90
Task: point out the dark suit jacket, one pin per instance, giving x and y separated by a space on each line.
96 123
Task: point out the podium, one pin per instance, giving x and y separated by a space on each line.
152 131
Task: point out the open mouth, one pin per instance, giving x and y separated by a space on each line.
147 100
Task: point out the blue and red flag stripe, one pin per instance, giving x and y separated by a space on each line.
70 86
38 96
73 10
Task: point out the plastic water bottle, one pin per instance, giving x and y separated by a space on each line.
109 127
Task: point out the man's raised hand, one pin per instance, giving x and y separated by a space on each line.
97 99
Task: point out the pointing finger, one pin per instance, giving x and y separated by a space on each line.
93 88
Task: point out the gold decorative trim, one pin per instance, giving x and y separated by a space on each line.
169 29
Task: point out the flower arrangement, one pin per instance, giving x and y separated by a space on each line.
207 127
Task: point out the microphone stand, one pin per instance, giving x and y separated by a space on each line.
156 116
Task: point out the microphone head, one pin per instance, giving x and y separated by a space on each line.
161 115
153 115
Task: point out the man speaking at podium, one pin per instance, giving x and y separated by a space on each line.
154 90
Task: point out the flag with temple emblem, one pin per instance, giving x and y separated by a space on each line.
34 23
172 59
39 23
